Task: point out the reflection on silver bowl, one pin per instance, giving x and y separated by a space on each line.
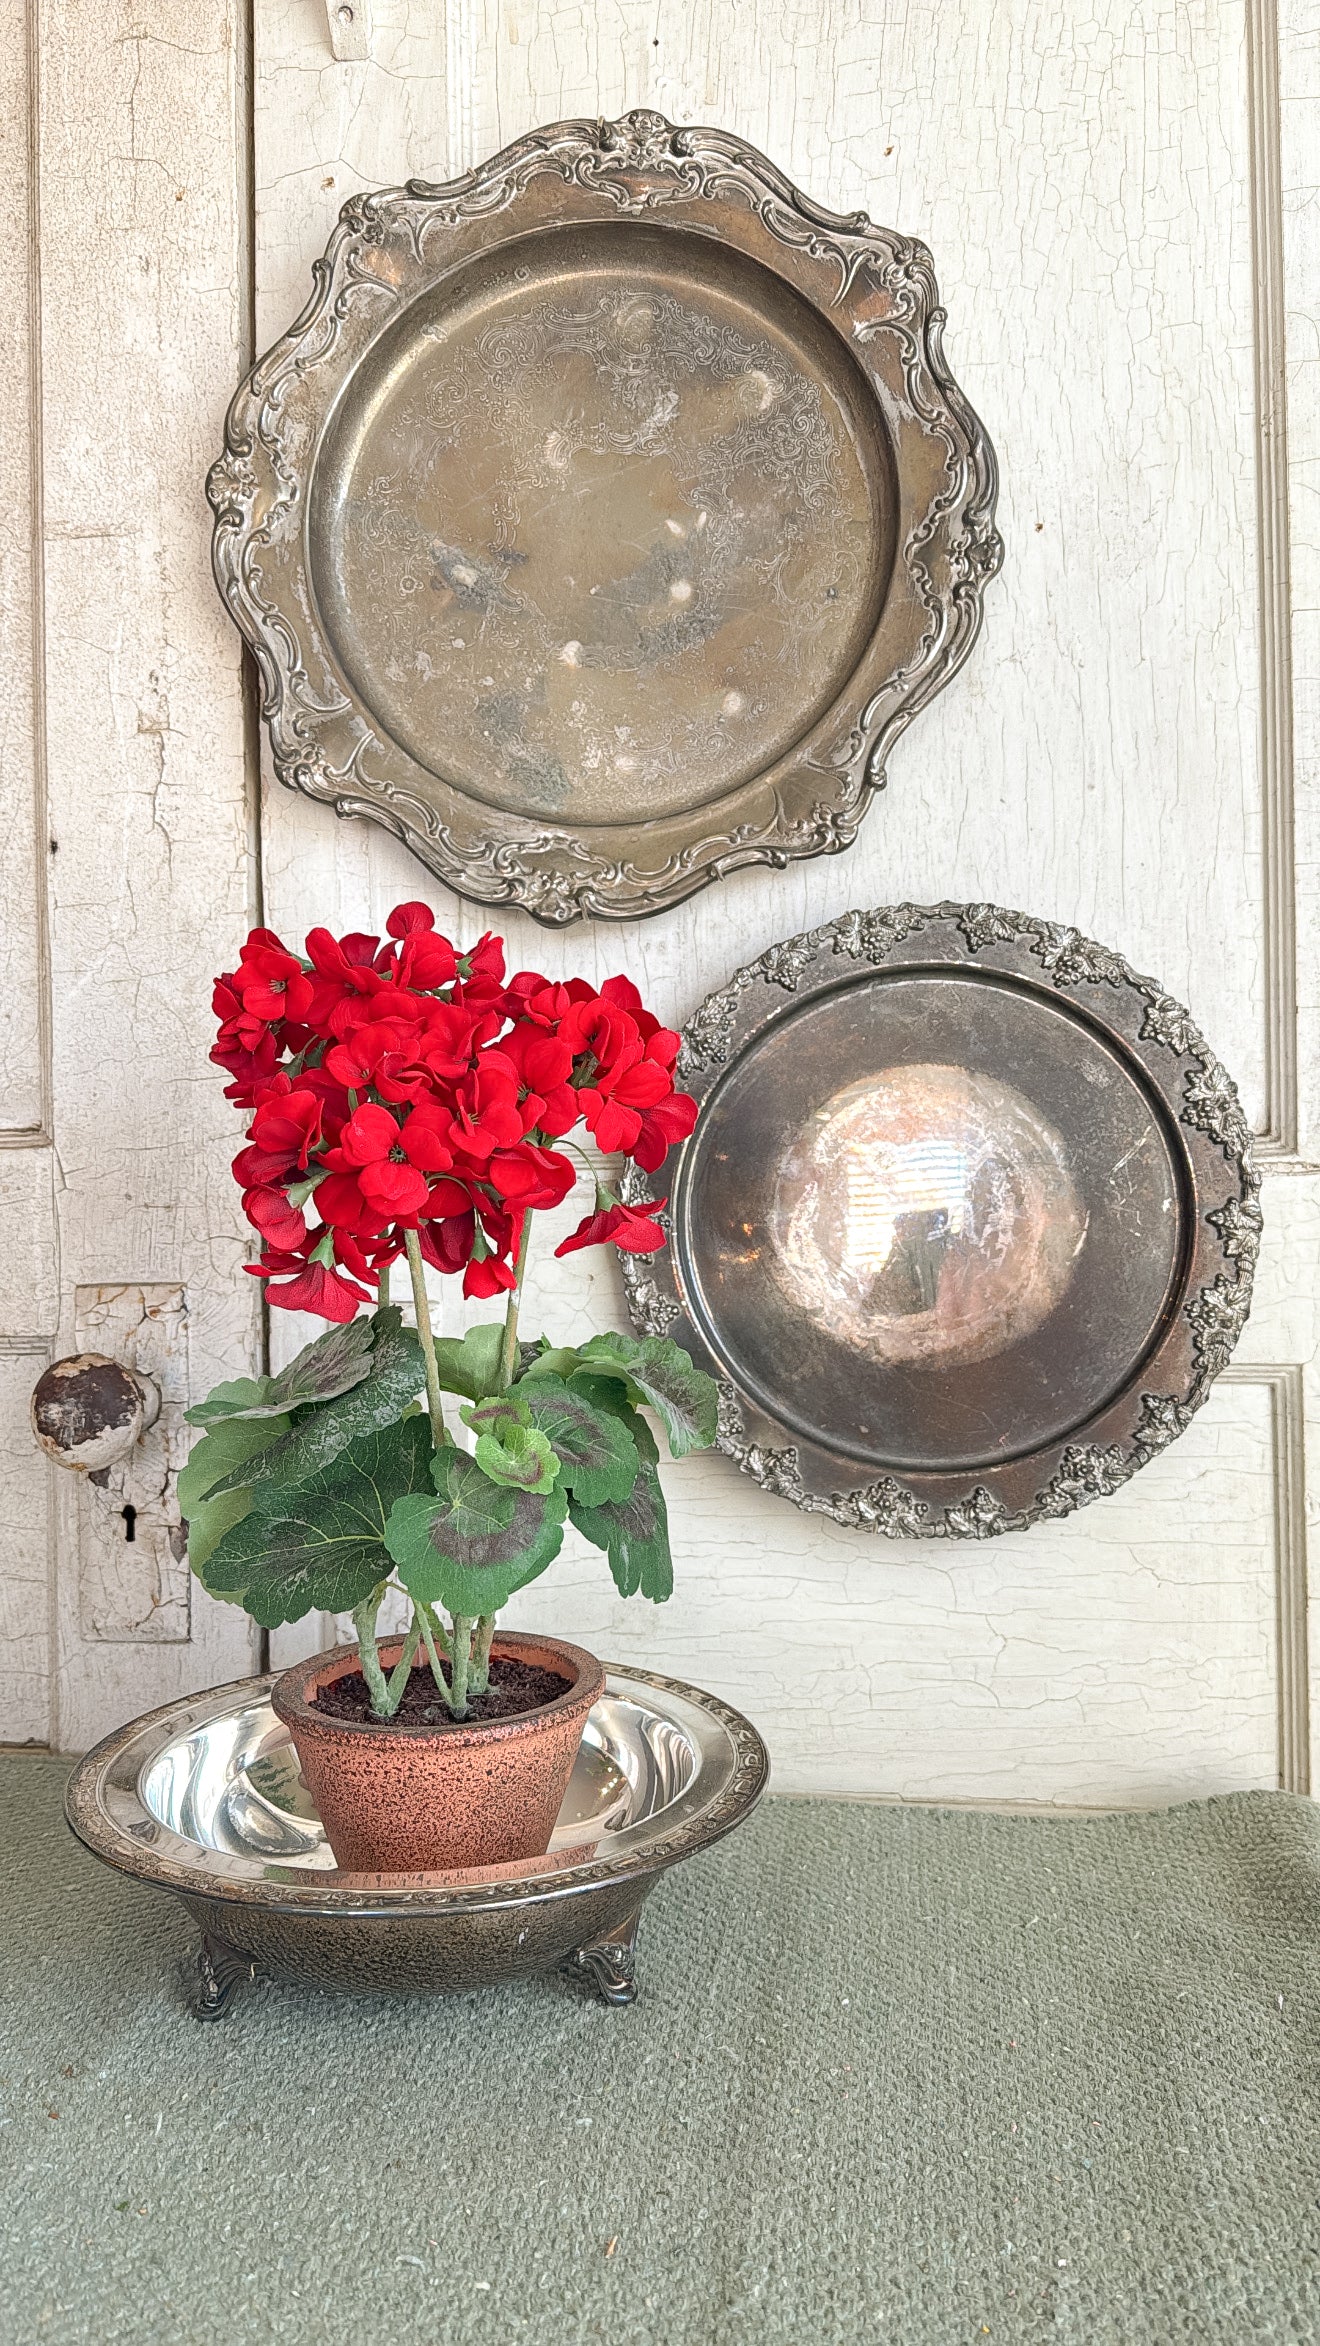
204 1798
926 1213
233 1784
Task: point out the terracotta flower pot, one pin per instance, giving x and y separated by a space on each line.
425 1799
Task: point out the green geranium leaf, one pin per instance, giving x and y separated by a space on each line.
339 1359
471 1364
321 1546
610 1395
554 1360
508 1449
477 1541
597 1454
331 1364
635 1537
208 1523
242 1397
235 1442
653 1369
519 1456
494 1414
395 1377
223 1457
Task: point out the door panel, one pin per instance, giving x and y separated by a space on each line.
24 1107
1123 218
1104 204
133 761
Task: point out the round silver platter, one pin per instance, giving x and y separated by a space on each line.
204 1798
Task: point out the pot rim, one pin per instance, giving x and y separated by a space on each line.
290 1692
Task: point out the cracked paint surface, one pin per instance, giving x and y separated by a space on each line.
1084 189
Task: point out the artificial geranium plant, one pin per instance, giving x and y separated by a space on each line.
407 1100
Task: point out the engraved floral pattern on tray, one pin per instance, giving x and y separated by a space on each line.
848 312
588 700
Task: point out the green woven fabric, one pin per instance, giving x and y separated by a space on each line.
895 2074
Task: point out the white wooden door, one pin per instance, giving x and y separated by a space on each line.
1121 209
125 853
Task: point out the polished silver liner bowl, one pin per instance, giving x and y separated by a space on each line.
204 1798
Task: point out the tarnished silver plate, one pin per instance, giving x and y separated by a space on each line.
204 1798
604 517
967 1225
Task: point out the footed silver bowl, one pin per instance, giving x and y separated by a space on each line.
204 1798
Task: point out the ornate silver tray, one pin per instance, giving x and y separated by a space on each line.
967 1227
204 1798
604 517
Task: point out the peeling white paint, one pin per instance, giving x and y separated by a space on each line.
1083 185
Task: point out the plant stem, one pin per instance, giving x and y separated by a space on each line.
423 1310
399 1675
481 1653
460 1659
509 1348
364 1629
432 1631
383 1288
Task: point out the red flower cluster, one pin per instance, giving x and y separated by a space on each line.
407 1086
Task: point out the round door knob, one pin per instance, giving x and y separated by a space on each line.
87 1411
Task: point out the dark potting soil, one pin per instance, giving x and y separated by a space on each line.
514 1686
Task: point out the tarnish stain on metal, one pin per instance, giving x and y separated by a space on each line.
133 1585
79 1399
607 562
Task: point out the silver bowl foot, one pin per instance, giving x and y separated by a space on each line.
609 1963
221 1970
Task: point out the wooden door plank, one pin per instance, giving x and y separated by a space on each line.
1299 164
140 141
24 1089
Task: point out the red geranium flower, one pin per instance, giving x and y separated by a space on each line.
530 1176
371 1150
422 958
614 1104
244 1028
630 1227
317 1288
487 1115
601 1031
668 1121
315 1284
544 1064
288 1123
406 1085
488 1276
270 981
534 997
427 1138
249 1069
446 1239
281 1224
